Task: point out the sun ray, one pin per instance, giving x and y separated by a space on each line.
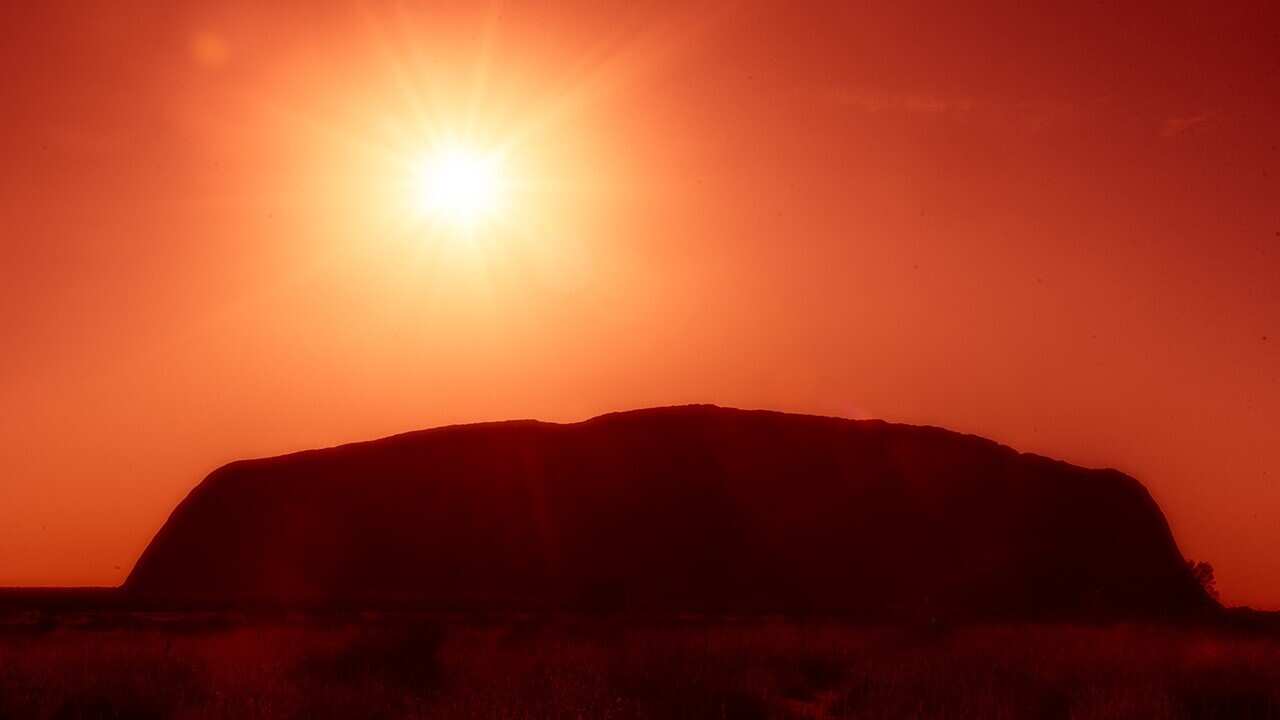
484 59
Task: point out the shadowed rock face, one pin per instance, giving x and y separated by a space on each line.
686 508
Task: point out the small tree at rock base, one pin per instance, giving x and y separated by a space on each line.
1203 573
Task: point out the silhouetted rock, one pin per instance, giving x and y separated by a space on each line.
694 508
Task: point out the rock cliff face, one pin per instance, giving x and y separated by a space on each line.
694 508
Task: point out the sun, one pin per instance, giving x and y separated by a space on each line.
458 185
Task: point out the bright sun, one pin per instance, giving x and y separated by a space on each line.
459 185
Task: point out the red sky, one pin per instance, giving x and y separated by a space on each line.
1059 229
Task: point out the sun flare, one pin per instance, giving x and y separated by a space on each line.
459 185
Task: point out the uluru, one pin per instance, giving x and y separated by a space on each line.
693 508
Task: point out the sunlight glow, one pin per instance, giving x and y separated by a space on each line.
460 186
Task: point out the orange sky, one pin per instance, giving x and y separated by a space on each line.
1060 230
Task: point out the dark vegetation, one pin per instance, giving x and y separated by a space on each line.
114 664
1203 573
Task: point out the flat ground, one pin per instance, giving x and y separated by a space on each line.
115 664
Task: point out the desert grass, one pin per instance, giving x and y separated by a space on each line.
404 666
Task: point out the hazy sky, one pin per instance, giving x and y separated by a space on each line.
1058 229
